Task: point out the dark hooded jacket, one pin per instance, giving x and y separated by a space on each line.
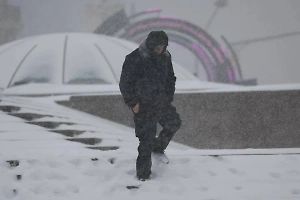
148 78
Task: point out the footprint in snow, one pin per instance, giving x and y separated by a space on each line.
237 172
204 189
238 188
296 191
56 190
112 160
275 175
211 173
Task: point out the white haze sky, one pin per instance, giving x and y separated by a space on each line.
270 62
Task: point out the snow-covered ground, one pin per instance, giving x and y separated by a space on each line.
53 168
193 86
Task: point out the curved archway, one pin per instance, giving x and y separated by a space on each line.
218 67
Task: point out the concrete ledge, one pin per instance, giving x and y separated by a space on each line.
9 109
89 141
231 120
29 116
48 124
108 148
68 133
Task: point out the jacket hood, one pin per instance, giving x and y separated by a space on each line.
155 38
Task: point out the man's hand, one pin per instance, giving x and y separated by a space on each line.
136 108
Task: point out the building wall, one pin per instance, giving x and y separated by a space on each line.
229 120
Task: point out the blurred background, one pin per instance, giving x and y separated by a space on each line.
258 39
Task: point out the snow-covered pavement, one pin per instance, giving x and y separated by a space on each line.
51 167
190 176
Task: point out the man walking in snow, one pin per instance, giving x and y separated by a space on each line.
147 84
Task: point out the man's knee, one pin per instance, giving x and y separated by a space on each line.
179 122
175 124
172 123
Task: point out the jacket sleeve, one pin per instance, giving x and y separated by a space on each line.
171 80
127 82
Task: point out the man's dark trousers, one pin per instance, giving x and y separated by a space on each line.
145 128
